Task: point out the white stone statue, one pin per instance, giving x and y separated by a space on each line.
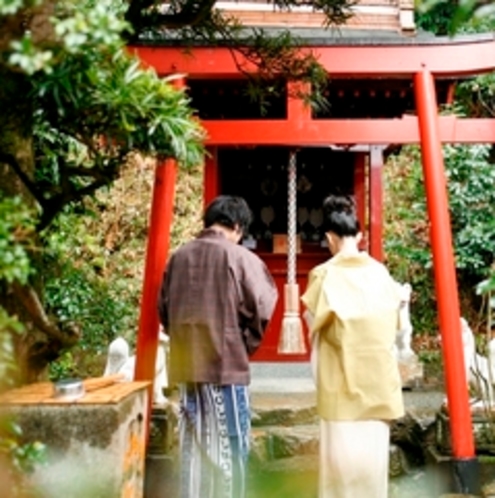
403 349
480 370
119 361
410 368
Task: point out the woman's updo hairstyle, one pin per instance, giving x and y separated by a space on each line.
339 215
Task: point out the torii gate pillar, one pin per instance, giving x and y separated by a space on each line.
156 259
465 464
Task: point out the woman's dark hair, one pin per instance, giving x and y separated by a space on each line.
339 215
228 211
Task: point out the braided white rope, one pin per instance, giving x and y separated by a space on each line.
291 219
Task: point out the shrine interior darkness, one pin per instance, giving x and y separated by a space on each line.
349 98
260 175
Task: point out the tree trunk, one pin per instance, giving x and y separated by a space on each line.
42 340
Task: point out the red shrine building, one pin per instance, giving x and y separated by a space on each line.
385 84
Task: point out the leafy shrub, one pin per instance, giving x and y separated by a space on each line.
15 229
16 458
471 182
97 250
79 289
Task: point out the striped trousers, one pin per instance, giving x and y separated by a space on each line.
214 431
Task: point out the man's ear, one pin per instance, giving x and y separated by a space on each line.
239 233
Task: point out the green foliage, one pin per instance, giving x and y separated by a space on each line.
448 17
108 96
95 25
106 242
435 18
93 106
77 287
19 458
29 57
10 7
471 182
75 28
22 458
15 229
63 368
8 325
487 286
476 96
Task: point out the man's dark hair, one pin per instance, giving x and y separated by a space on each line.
340 215
228 211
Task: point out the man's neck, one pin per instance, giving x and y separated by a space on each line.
229 233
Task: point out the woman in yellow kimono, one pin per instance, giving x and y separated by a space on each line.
352 306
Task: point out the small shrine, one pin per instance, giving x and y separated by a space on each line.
386 82
372 100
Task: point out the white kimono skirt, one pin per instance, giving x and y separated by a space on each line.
354 455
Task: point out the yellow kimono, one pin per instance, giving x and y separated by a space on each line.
354 307
354 303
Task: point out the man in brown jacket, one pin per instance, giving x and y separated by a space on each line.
216 300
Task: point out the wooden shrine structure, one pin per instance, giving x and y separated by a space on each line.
385 85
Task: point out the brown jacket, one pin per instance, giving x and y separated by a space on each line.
215 303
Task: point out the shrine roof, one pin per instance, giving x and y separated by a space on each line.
321 37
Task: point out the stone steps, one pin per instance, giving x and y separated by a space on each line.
286 426
284 457
275 442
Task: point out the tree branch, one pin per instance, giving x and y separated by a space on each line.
30 300
72 194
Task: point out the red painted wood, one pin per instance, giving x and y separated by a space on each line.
158 245
360 192
156 257
376 203
444 268
345 131
211 180
446 59
297 109
277 264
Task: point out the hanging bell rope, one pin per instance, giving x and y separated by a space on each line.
291 337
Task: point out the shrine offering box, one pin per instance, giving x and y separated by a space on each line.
280 244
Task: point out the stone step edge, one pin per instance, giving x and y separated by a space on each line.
283 416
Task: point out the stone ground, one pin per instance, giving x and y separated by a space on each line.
283 397
284 455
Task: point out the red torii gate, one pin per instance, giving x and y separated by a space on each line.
422 63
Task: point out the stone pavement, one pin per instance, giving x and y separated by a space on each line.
281 378
285 438
279 383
